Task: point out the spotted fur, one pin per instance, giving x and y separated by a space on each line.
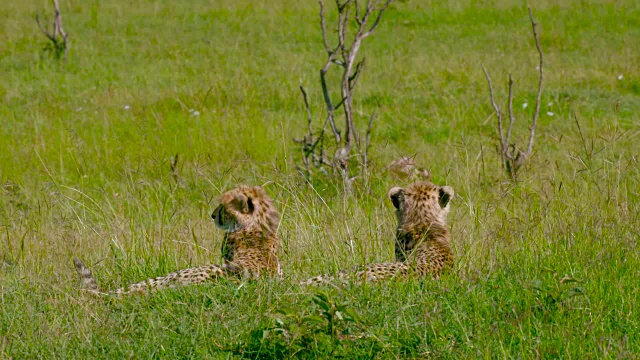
250 246
422 238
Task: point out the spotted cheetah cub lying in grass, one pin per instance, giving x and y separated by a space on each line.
422 238
250 246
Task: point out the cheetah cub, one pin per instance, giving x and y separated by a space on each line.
422 239
250 246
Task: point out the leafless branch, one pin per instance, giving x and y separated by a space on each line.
44 31
507 139
323 25
496 108
327 100
534 122
58 37
344 54
343 24
58 22
356 74
512 157
377 21
306 106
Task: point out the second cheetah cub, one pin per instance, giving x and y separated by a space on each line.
422 238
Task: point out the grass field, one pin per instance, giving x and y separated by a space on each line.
547 267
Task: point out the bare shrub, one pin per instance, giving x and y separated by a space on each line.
365 20
512 157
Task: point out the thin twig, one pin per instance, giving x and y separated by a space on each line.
58 37
505 144
313 146
496 108
327 100
324 27
363 21
343 24
58 22
306 105
536 114
353 80
44 31
377 21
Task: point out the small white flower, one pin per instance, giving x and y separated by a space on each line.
127 107
549 113
191 111
550 104
620 77
195 113
524 106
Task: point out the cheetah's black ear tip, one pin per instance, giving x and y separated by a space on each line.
446 193
396 194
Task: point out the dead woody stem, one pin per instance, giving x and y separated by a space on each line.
344 55
58 36
512 157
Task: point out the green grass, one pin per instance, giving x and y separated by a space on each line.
546 267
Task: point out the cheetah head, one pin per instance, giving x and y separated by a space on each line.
421 204
245 208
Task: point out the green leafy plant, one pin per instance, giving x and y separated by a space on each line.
551 296
326 327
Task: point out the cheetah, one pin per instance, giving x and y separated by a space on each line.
422 239
250 247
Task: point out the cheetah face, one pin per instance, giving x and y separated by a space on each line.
421 203
229 215
224 220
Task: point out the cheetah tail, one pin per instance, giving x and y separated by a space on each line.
88 281
323 279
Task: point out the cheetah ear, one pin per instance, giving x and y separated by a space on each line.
396 194
242 203
445 193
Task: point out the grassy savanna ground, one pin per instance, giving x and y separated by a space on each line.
546 267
